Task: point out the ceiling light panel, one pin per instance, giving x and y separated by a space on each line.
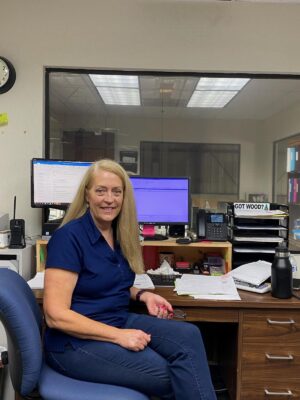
120 96
221 83
211 99
120 81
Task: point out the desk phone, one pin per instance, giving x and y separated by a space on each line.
211 226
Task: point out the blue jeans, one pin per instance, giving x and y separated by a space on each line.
173 366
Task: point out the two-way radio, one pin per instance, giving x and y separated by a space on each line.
17 231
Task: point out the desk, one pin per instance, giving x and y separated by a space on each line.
259 341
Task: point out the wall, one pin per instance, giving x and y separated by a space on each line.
128 34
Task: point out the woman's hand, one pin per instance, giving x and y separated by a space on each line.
133 339
157 305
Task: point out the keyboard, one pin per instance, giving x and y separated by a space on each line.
157 236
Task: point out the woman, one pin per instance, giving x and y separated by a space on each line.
91 335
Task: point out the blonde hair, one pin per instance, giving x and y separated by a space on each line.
127 228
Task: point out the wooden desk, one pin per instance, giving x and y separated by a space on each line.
258 342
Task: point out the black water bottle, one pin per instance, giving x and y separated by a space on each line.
282 274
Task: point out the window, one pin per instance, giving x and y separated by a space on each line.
213 168
152 124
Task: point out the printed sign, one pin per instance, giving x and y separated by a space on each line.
252 206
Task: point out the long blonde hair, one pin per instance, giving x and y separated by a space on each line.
127 228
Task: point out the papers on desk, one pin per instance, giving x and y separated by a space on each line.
143 281
37 282
254 273
207 287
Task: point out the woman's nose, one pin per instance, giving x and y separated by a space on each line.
109 197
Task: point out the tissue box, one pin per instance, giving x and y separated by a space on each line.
4 238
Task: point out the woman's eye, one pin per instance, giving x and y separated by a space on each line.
100 191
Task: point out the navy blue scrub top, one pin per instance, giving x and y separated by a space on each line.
104 276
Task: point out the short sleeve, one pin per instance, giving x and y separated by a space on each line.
64 251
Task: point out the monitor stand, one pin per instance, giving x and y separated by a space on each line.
148 233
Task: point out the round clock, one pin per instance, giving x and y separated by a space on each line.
7 75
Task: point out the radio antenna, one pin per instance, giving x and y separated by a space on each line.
15 200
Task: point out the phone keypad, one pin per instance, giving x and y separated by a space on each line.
216 231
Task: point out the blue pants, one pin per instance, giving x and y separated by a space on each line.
173 366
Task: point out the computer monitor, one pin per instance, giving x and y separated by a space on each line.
55 182
162 200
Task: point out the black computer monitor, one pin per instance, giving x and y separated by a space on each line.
54 182
162 200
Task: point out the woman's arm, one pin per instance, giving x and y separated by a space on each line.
58 290
156 305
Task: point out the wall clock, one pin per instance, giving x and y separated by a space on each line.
7 75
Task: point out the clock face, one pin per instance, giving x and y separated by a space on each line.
7 75
4 73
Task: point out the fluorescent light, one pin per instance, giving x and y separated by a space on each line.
118 89
211 98
216 92
120 96
221 83
128 81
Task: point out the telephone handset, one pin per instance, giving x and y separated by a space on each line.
201 224
211 226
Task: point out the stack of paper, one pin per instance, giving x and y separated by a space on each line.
260 213
254 273
207 287
142 281
37 282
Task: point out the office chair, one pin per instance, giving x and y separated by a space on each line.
22 320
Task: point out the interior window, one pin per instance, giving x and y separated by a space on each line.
169 124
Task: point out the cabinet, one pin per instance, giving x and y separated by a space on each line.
151 249
270 358
255 237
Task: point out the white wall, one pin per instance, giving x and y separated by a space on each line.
127 34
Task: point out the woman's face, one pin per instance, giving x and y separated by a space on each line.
105 197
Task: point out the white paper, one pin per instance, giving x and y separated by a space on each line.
255 272
207 287
143 281
37 282
263 239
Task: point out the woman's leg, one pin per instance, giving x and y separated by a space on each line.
104 362
181 344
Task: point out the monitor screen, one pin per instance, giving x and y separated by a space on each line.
55 182
162 201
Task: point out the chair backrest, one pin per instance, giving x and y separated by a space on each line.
22 320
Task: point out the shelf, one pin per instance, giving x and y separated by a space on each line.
190 252
256 236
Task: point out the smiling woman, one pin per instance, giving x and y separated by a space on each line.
89 281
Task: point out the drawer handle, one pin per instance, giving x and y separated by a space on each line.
288 393
272 322
270 357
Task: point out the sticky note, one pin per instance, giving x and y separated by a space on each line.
3 119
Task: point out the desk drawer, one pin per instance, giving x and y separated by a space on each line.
271 327
269 362
210 314
274 391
